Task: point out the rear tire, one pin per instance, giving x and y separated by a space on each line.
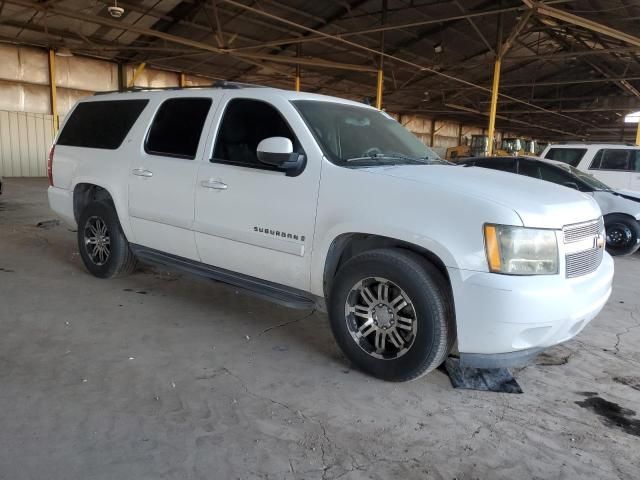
392 315
102 244
623 234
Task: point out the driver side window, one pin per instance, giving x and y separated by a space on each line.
244 125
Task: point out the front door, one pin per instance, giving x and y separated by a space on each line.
252 218
612 166
163 177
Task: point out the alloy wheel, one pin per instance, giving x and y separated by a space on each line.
381 318
97 240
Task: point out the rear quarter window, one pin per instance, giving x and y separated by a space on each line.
571 156
103 124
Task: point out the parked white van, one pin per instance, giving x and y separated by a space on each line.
617 165
319 202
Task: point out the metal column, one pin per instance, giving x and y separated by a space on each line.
380 81
53 94
297 83
494 103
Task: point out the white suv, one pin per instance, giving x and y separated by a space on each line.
617 165
318 202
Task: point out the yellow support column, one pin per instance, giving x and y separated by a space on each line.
53 94
183 81
136 74
638 134
379 89
494 103
297 82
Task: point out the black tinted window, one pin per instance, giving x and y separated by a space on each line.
555 175
503 164
530 169
177 127
572 156
244 125
615 159
101 124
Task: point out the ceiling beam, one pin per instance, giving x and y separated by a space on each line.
553 12
182 40
384 28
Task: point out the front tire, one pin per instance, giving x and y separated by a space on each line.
623 234
391 313
101 242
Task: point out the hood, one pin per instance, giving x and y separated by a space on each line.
538 203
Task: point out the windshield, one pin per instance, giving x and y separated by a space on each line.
357 136
590 180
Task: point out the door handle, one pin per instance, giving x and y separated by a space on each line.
214 184
141 172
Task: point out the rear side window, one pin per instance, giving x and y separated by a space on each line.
177 127
572 156
102 124
616 159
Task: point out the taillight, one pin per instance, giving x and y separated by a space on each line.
50 165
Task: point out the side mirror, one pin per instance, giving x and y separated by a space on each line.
571 185
278 152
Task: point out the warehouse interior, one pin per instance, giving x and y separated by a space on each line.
163 375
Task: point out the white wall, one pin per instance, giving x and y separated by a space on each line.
25 139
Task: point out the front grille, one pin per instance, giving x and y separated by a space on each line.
580 231
586 261
582 263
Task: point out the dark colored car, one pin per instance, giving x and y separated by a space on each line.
620 209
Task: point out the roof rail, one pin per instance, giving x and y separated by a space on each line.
222 84
567 142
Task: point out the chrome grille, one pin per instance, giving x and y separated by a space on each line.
580 231
586 261
582 263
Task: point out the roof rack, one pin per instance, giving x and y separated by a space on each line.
222 84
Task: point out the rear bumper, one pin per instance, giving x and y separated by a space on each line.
505 320
61 202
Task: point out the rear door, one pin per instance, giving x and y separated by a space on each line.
251 218
614 166
163 175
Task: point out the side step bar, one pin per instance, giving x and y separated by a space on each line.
274 292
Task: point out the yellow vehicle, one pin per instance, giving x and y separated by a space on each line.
478 147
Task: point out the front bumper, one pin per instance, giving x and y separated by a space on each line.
503 320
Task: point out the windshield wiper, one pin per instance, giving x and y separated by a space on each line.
394 156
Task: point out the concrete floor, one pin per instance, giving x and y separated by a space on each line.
160 375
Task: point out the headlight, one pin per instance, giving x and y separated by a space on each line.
521 251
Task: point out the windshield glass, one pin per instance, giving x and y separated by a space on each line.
590 180
357 136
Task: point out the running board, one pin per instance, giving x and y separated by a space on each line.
274 292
